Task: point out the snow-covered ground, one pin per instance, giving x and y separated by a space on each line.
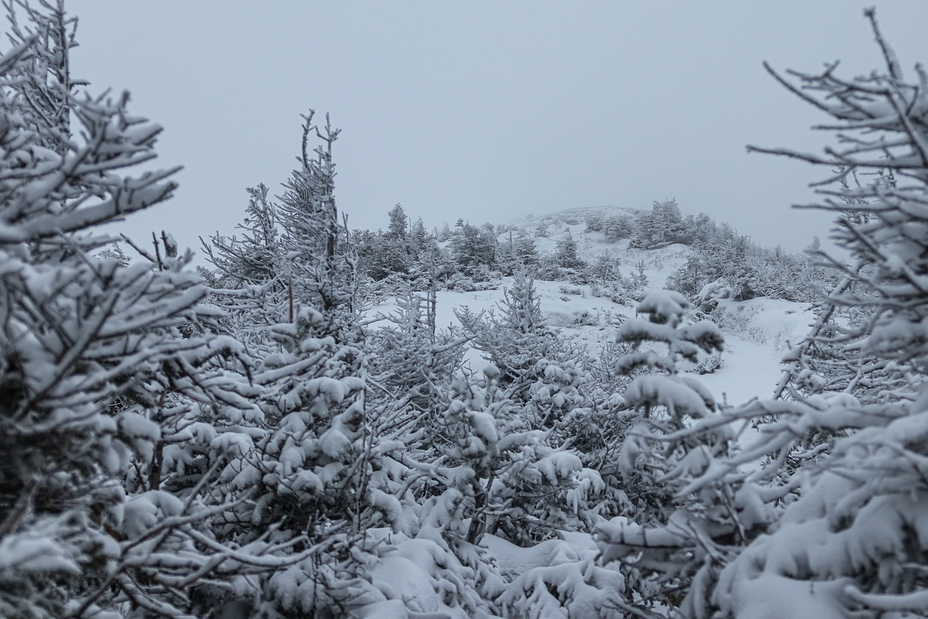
755 341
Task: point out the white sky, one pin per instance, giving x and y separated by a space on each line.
485 110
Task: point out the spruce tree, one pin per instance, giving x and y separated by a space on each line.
832 528
320 263
99 360
666 529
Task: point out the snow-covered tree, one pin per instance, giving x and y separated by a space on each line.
535 365
618 227
320 263
566 253
502 477
525 251
43 83
253 259
399 223
411 357
474 248
249 273
395 251
97 357
670 532
663 397
516 340
557 579
662 225
299 481
848 542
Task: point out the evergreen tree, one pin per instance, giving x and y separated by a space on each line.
98 358
300 482
525 250
43 82
667 527
474 248
411 357
398 223
319 260
840 520
515 341
253 259
393 251
421 241
662 225
248 276
566 253
618 227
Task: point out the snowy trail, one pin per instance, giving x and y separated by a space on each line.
749 370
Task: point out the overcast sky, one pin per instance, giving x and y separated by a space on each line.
488 111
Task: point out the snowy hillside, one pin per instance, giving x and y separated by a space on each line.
757 332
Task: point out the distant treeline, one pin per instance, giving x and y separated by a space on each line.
468 255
